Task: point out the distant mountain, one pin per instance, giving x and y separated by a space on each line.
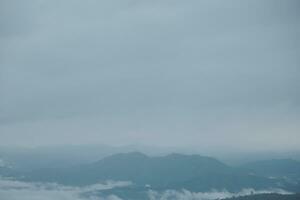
275 168
6 169
8 172
174 171
164 171
60 156
27 159
268 197
286 172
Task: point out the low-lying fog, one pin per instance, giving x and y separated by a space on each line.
15 190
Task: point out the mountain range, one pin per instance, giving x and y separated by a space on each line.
176 171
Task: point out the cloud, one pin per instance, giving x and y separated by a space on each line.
212 195
15 190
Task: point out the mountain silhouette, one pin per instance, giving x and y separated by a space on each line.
173 171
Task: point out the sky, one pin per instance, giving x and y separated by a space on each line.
212 73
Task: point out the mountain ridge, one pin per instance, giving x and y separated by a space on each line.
172 171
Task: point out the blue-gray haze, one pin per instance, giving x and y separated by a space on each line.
209 74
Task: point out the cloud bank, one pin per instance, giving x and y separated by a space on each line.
16 190
212 195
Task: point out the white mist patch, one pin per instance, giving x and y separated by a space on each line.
212 195
15 190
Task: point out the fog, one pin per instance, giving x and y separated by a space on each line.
13 190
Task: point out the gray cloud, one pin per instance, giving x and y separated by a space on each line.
13 190
122 72
212 195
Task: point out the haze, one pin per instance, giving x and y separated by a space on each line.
209 74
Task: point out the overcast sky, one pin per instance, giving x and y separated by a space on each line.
213 73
